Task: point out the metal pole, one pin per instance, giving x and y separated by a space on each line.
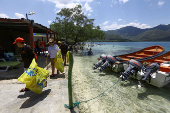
26 16
70 79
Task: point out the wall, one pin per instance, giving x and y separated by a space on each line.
7 37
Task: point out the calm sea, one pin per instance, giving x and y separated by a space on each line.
123 97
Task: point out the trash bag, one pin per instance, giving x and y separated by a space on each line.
67 55
58 62
34 77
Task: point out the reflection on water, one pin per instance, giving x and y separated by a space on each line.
121 98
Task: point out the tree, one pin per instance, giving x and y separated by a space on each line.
72 24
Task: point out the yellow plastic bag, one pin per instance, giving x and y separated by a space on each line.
67 55
58 62
34 77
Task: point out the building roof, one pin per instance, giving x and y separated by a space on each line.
23 25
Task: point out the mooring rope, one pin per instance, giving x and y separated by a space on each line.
77 103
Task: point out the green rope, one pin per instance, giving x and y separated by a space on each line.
165 58
77 103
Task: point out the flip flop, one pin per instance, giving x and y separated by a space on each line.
52 75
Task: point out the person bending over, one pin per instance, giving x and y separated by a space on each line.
27 55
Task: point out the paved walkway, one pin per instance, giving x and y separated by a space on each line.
51 100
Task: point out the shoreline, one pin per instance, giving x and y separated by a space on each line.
121 98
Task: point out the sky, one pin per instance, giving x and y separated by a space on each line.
108 14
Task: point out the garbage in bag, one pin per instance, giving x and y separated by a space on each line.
34 77
58 62
67 55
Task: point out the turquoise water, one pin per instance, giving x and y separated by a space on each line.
123 97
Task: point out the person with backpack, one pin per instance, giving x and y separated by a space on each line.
64 49
27 55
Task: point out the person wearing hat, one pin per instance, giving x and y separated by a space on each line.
27 55
59 43
52 51
64 49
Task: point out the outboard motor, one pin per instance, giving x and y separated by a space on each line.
119 59
110 61
134 67
102 60
148 71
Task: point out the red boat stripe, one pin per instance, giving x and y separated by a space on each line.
135 63
111 58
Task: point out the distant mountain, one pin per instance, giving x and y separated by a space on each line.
161 27
115 38
158 33
153 35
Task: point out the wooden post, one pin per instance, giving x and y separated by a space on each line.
70 79
47 35
31 36
57 38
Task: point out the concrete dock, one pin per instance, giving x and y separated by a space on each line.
51 100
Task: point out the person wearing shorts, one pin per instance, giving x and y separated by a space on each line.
52 51
64 49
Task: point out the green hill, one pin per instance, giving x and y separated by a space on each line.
158 33
153 35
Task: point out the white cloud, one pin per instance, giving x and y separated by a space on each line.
111 6
18 15
116 26
49 22
2 15
98 2
124 1
71 4
89 14
119 19
57 11
114 1
136 20
160 3
87 7
105 23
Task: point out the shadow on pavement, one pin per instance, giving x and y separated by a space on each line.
27 94
34 98
62 75
72 111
